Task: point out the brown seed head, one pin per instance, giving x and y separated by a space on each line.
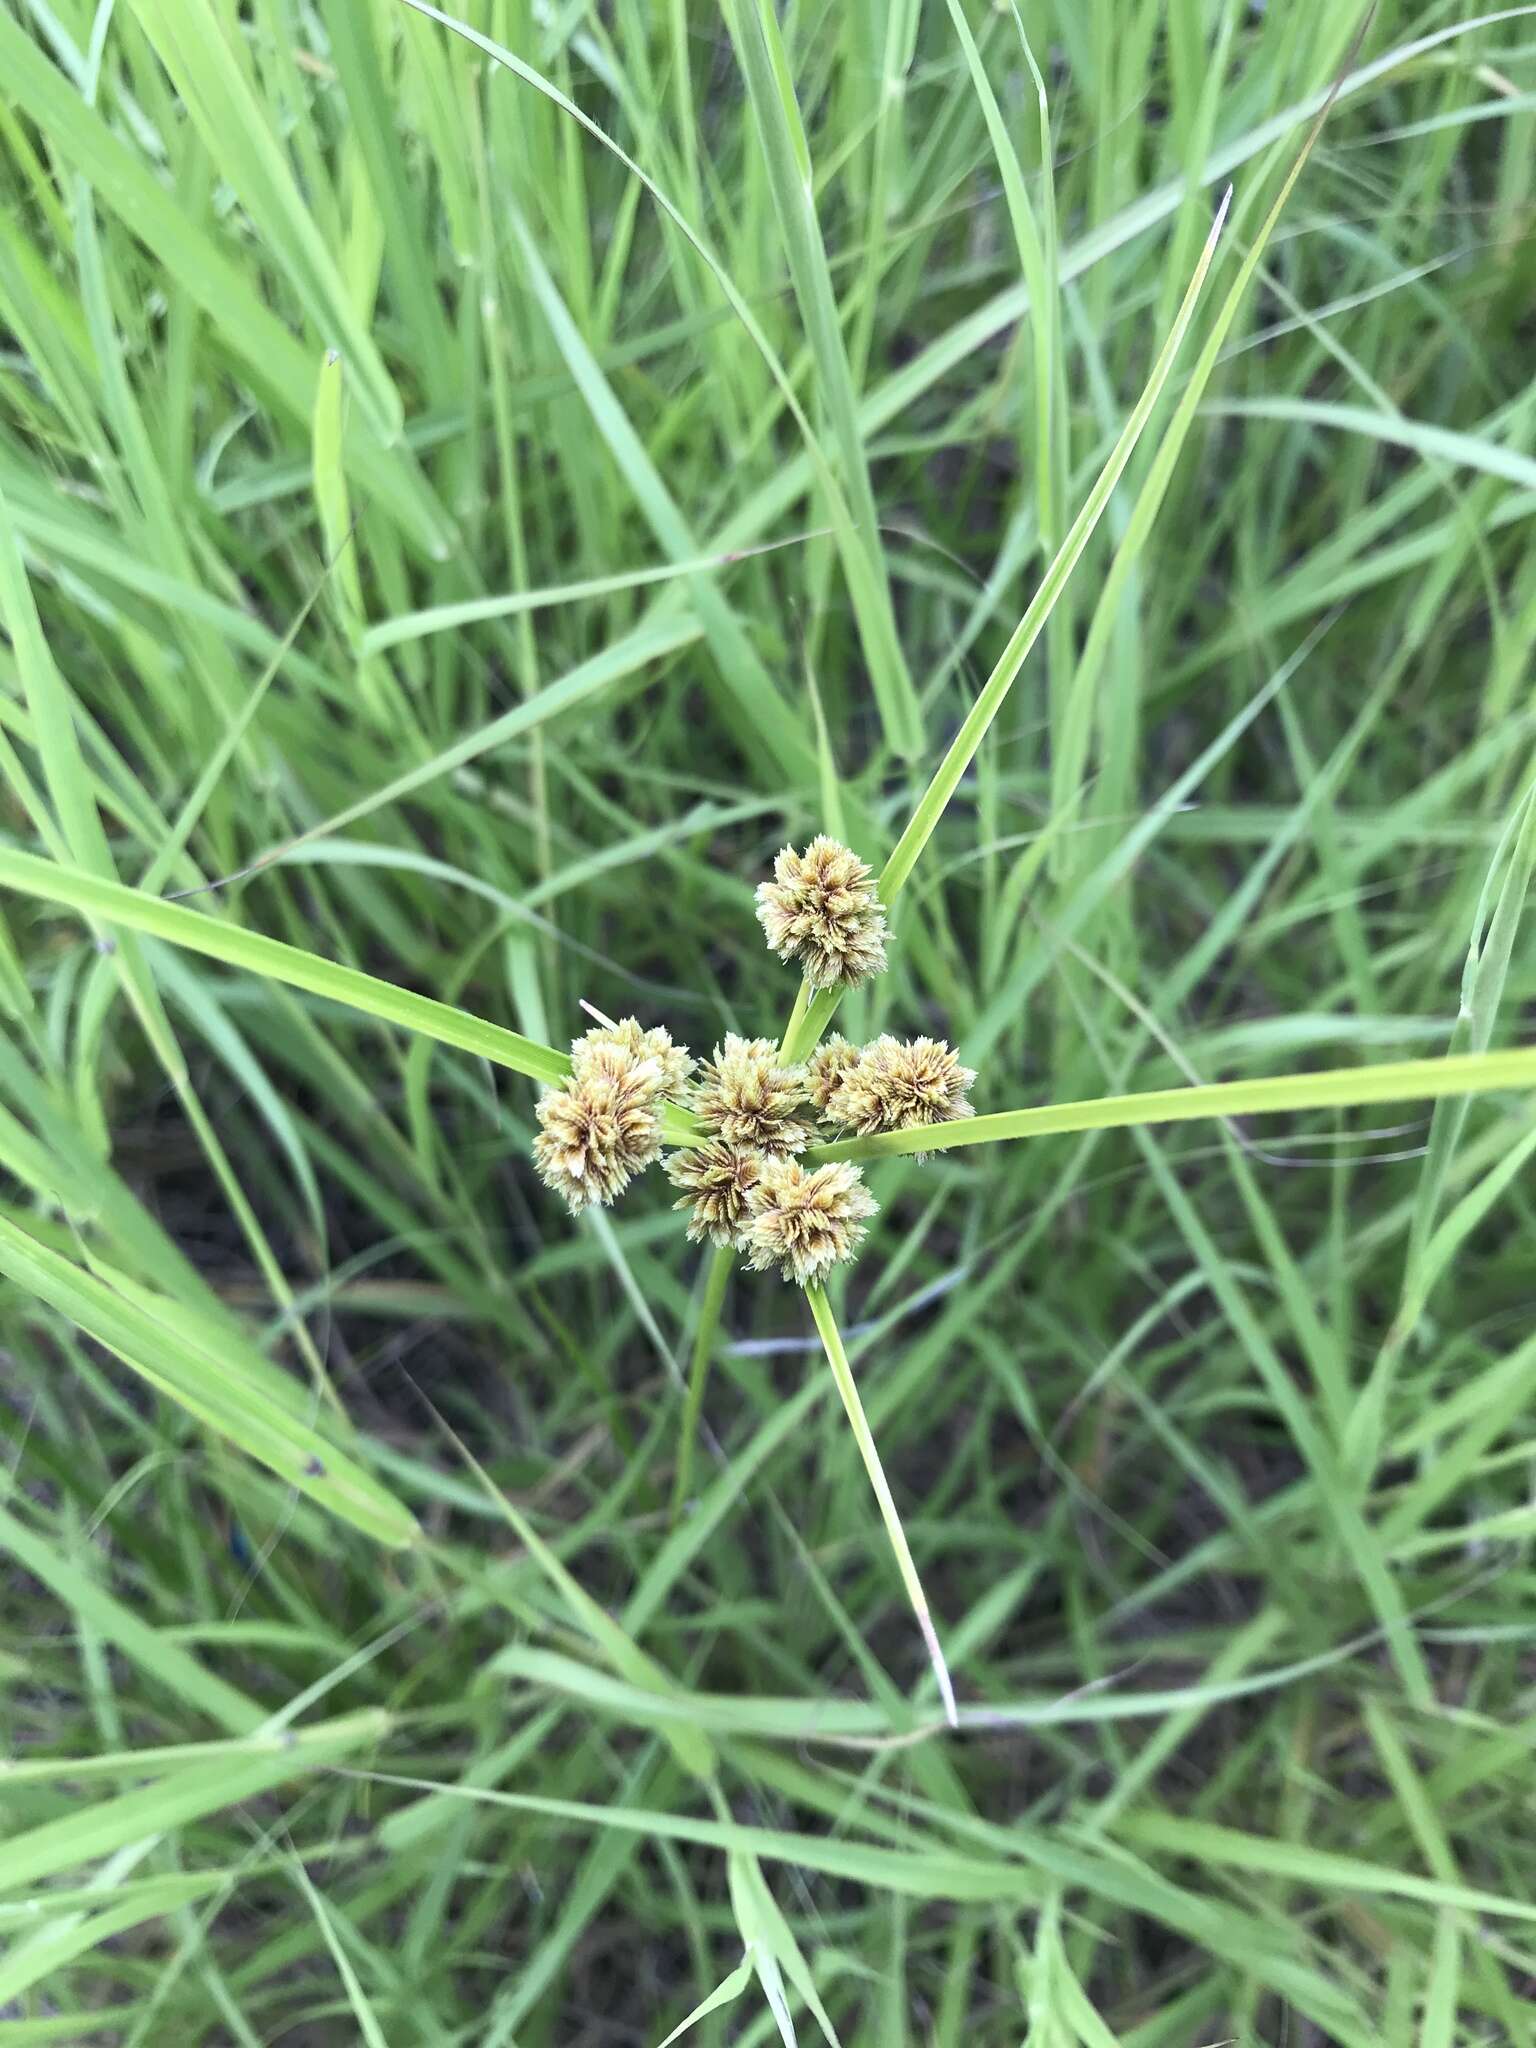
821 909
805 1222
601 1128
745 1097
675 1062
827 1068
717 1180
896 1087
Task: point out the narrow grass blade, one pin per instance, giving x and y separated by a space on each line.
725 1993
1480 452
380 699
373 116
1338 1088
842 519
759 42
1070 759
1325 1869
757 1908
216 92
165 1663
174 844
201 1367
842 1373
80 828
474 611
1036 241
362 2009
1458 1225
717 1277
756 697
331 501
841 1722
38 1957
92 1832
1443 1995
962 749
589 679
621 1651
253 952
1496 926
930 1870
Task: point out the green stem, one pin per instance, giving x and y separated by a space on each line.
808 1024
796 1020
842 1374
716 1276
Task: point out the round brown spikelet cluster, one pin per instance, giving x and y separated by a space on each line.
896 1085
601 1128
822 911
806 1220
738 1174
744 1096
717 1180
827 1068
675 1062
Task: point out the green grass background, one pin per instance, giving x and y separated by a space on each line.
475 502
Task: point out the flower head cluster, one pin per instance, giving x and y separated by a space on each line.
742 1183
822 911
805 1220
896 1085
717 1180
601 1128
675 1062
827 1069
745 1096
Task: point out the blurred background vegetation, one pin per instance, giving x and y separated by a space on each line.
328 336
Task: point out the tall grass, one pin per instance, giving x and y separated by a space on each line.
471 487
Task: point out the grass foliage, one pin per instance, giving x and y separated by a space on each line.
470 490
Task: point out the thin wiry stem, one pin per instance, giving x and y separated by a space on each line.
842 1374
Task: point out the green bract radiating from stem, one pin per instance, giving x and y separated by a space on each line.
847 1387
962 749
1336 1088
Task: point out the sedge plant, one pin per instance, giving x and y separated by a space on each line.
469 491
743 1183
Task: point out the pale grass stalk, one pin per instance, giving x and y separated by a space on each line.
847 1387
